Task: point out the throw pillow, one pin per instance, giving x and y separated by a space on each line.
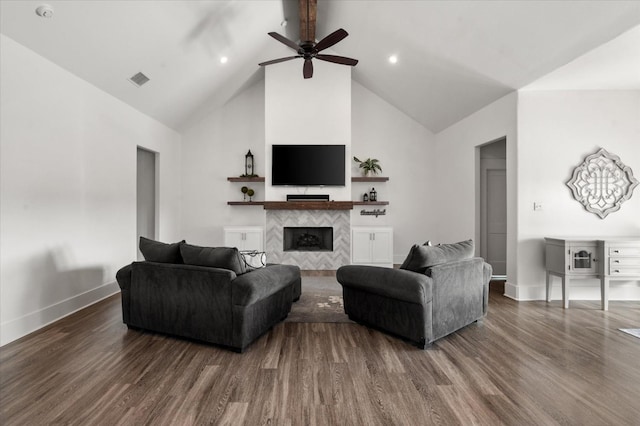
155 251
253 259
422 257
215 257
413 254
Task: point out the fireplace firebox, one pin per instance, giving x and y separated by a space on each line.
308 238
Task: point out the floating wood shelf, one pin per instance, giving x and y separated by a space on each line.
246 179
369 179
245 203
308 205
370 203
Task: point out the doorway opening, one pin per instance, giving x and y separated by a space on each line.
493 206
146 196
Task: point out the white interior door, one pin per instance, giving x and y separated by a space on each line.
494 214
145 195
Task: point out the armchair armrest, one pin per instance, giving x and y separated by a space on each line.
396 284
185 300
458 294
123 277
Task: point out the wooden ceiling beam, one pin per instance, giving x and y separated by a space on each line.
308 20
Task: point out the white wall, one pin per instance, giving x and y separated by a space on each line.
67 189
406 152
556 131
311 111
456 162
214 149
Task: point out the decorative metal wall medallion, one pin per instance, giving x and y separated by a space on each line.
602 183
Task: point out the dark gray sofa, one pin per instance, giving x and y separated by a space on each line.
420 305
211 304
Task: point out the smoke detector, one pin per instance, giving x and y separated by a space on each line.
44 11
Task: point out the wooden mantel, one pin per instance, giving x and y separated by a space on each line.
308 205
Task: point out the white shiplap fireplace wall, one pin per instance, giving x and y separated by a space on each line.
311 111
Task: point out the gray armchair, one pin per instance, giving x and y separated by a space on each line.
418 306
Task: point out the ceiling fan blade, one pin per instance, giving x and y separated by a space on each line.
337 59
307 69
284 40
275 61
331 39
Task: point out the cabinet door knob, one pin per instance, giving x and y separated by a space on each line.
616 251
616 261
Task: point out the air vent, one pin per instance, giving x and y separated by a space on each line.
139 79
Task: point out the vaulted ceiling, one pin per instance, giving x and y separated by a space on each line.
454 57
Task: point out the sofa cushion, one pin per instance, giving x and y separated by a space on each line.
215 257
422 257
262 283
155 251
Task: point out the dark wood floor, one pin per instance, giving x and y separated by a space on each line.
527 363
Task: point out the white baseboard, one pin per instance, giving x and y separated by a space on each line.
511 290
621 292
20 327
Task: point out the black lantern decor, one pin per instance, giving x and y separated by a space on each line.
373 195
248 164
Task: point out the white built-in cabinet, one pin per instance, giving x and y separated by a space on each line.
244 237
372 245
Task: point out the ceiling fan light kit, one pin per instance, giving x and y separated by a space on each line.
308 49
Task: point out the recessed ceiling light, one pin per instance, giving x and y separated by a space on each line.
393 59
224 60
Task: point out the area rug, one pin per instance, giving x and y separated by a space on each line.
320 301
632 331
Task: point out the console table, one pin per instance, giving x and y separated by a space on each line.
580 258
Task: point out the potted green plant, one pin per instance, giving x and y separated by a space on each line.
370 165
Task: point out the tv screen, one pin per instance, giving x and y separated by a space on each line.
308 165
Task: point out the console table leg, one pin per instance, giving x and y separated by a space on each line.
604 287
565 292
548 287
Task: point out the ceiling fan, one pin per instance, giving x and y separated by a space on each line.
308 48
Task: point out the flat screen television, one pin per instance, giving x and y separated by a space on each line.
308 165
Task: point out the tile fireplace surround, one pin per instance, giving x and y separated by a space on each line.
340 220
